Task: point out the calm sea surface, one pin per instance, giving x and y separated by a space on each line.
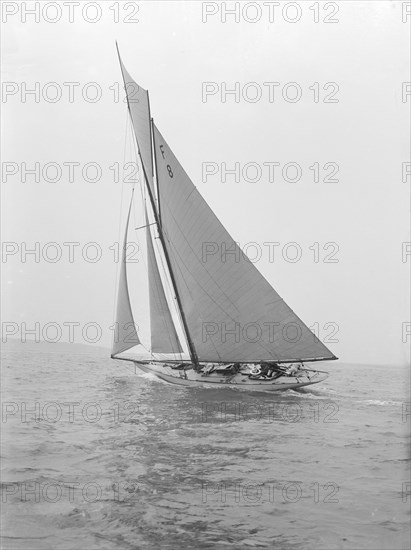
97 457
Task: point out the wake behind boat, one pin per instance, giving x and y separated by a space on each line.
221 322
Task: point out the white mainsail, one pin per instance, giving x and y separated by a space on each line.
125 334
232 312
164 337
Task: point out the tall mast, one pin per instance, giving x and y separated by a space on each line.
192 350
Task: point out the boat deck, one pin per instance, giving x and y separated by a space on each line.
187 376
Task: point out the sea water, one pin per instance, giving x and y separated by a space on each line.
97 456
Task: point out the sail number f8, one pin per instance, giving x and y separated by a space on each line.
170 172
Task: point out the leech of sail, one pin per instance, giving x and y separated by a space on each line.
125 335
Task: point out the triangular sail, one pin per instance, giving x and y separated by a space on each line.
125 334
164 337
232 312
138 102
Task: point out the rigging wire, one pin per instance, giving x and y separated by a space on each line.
171 336
119 229
136 156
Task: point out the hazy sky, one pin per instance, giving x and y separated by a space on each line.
175 47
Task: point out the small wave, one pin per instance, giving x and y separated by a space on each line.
378 402
307 394
152 377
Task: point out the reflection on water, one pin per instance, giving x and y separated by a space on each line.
107 459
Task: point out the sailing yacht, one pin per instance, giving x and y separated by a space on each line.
234 328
